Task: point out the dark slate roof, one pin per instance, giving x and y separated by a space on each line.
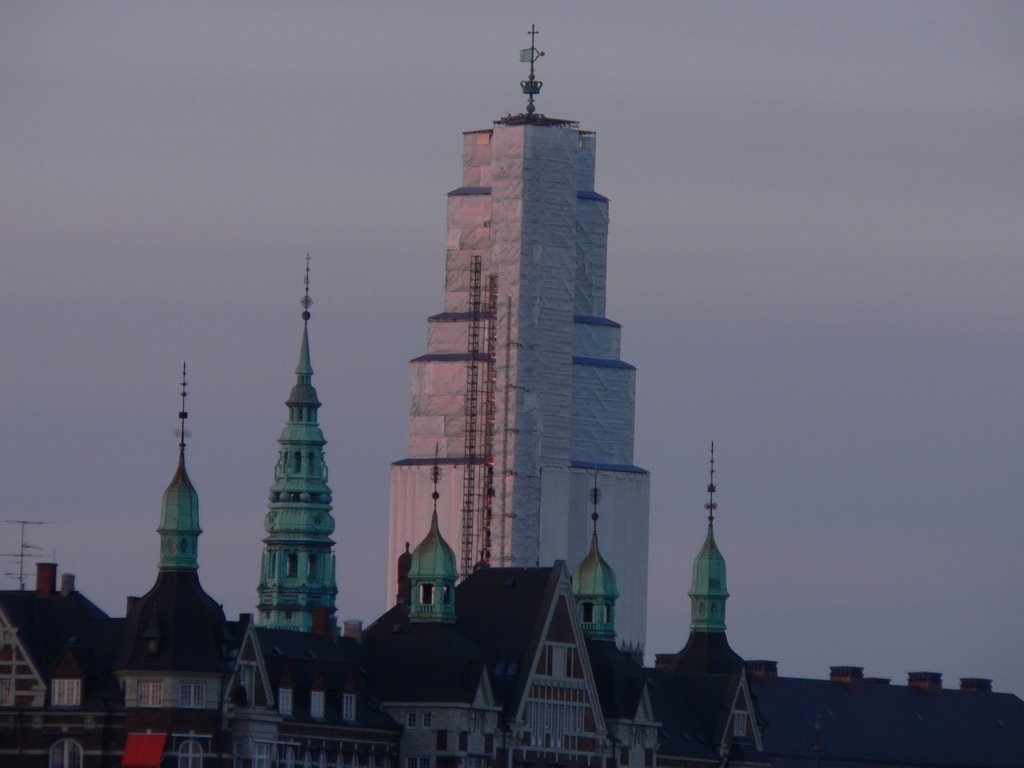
190 625
307 660
705 653
503 610
421 661
46 623
619 679
681 733
896 725
499 619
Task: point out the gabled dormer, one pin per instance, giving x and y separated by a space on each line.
249 686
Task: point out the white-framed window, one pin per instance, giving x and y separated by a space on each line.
411 719
151 693
307 760
284 701
427 720
66 692
66 754
316 704
739 724
247 680
638 737
417 762
192 695
348 706
288 756
6 692
261 753
190 754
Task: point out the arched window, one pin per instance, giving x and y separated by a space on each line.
426 594
293 565
66 754
190 755
298 461
312 567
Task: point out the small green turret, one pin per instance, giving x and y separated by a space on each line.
433 572
595 587
179 519
708 592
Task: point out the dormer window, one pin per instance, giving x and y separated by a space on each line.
348 706
284 701
66 692
316 704
739 725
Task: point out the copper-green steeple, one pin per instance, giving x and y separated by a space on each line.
708 592
297 583
179 520
594 585
433 572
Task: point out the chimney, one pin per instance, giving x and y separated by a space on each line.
67 584
764 670
46 579
354 630
930 682
976 684
846 675
324 624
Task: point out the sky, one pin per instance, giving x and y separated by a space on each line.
815 252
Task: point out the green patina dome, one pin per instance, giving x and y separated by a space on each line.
593 576
433 558
708 592
179 522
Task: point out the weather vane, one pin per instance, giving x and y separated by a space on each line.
181 432
532 86
305 301
711 506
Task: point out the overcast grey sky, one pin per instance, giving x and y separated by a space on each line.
815 251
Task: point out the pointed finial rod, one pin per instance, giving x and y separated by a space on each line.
306 302
532 86
435 475
182 433
595 498
711 506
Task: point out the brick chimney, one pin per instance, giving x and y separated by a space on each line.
46 579
661 660
852 676
976 684
67 584
765 670
353 629
930 682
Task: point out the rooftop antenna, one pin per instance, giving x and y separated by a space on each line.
532 86
711 506
305 301
595 498
181 433
23 550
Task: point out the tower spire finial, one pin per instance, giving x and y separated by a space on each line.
181 432
435 475
532 86
595 498
305 301
711 506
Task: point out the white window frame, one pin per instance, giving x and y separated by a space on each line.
262 754
348 706
150 693
66 753
739 724
192 695
66 692
316 704
284 701
411 719
190 754
426 720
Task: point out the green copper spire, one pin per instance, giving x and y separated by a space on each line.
708 593
179 520
297 587
595 587
433 572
